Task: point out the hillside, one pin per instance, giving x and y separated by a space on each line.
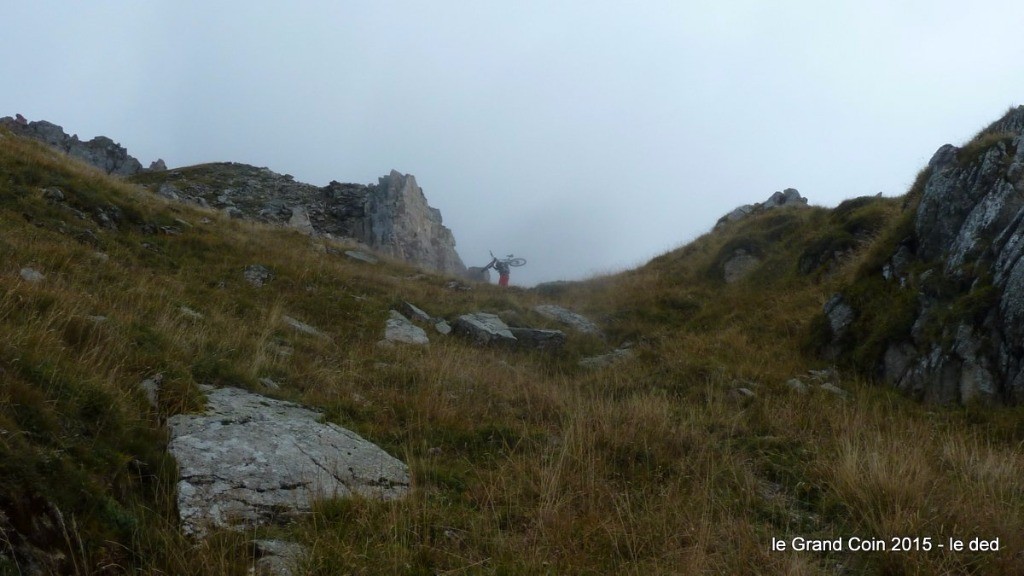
723 430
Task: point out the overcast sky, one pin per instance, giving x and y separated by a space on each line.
585 136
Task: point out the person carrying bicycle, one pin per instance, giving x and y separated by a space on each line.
503 267
503 270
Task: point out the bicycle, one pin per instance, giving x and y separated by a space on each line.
510 260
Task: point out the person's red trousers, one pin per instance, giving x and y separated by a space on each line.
503 280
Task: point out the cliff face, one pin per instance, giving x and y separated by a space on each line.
392 216
953 279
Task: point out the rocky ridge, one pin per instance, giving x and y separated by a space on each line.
101 152
789 197
391 217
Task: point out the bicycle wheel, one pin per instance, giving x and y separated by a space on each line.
516 261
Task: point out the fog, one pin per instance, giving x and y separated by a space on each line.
587 137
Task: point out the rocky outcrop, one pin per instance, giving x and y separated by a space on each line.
787 198
252 460
101 152
950 296
391 217
400 223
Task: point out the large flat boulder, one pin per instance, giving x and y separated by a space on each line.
483 328
252 460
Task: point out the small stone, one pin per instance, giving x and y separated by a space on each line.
399 329
608 359
258 275
743 393
739 266
269 383
278 558
151 387
796 385
414 313
830 387
302 327
361 256
443 327
186 311
53 194
32 275
823 375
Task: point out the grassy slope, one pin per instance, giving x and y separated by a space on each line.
522 463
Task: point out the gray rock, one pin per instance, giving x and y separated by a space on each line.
252 460
605 360
151 388
361 256
299 220
534 338
443 327
415 313
53 194
968 234
833 389
169 191
269 383
190 313
478 274
797 385
399 329
302 327
788 198
483 328
32 275
279 558
569 318
743 393
258 275
840 315
400 223
100 152
739 266
157 165
943 157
